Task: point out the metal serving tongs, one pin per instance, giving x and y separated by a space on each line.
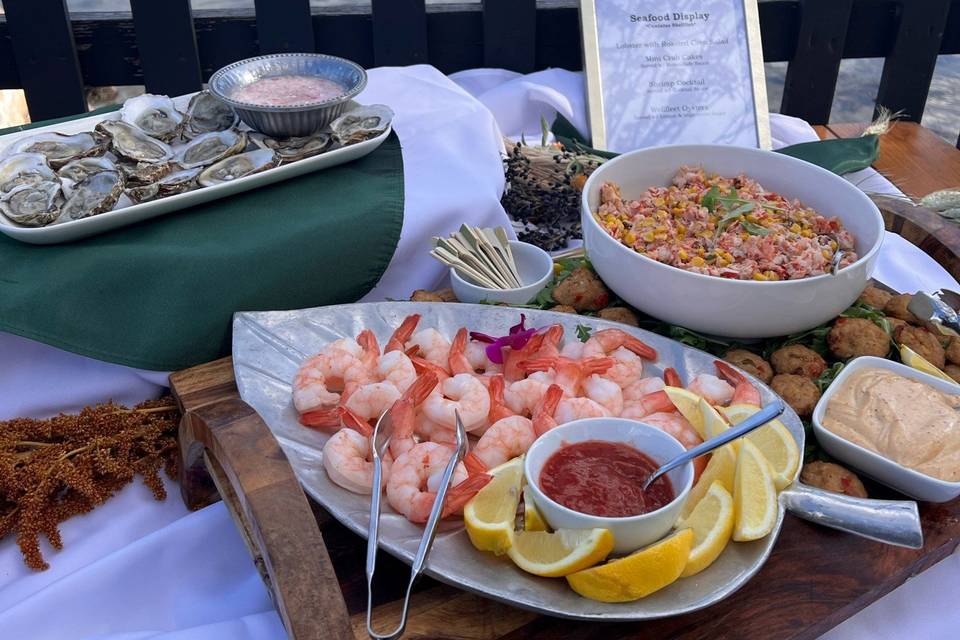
381 438
937 308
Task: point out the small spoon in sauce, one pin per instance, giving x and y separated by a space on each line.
738 430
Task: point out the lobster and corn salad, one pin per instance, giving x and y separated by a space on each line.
726 227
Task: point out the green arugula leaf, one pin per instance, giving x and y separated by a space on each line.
583 332
865 311
754 229
710 199
826 378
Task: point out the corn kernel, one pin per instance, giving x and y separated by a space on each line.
630 237
759 276
795 228
683 254
807 233
648 236
833 245
826 254
697 261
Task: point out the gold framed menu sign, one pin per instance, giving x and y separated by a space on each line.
674 72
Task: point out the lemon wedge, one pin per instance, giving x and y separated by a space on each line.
688 404
532 520
722 468
774 441
713 422
913 359
490 515
712 524
754 495
559 553
637 575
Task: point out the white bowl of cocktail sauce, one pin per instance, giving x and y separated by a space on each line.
588 474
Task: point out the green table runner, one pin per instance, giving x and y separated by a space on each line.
161 294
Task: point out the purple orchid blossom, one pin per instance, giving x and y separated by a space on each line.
516 339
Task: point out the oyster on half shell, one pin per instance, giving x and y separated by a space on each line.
33 205
207 113
208 148
293 149
171 184
147 172
238 166
78 170
132 143
24 168
97 193
154 115
59 148
361 123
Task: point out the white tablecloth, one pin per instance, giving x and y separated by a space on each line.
136 568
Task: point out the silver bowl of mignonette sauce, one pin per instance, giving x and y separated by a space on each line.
294 120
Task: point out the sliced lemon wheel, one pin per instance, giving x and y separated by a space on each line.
711 523
722 468
713 422
559 553
754 495
532 520
774 441
490 515
637 575
913 359
688 404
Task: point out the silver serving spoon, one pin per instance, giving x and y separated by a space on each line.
932 308
835 262
738 430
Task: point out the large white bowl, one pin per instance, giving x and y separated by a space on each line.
719 306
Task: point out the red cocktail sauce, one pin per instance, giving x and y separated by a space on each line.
604 479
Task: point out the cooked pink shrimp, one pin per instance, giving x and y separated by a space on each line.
744 391
403 413
550 347
715 390
422 365
671 377
402 334
677 426
573 349
627 367
641 388
603 342
432 345
371 400
505 439
310 386
463 393
570 409
371 349
656 402
347 460
543 414
604 392
523 395
498 406
569 373
396 368
409 488
457 361
430 431
513 360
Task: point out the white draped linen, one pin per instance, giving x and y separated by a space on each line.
136 568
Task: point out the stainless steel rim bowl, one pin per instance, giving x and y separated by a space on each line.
289 120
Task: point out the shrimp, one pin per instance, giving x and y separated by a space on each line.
463 393
505 439
396 368
569 373
573 349
403 413
671 378
402 334
744 392
513 359
430 431
656 402
477 356
604 392
310 386
677 426
371 400
523 395
543 418
550 347
603 342
627 367
371 349
347 460
570 409
498 406
641 388
457 361
415 476
432 345
715 390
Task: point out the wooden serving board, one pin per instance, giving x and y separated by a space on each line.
314 567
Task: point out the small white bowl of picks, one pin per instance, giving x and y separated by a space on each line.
486 266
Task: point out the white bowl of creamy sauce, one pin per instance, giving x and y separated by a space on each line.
896 424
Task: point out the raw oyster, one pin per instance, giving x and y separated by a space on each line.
130 142
95 194
33 205
208 148
24 168
59 148
361 123
293 149
78 170
154 115
145 193
239 166
207 113
172 184
147 172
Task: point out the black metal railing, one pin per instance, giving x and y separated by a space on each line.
168 48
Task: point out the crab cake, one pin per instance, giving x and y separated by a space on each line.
896 322
875 297
799 360
852 337
797 391
953 371
619 314
923 342
832 477
563 308
897 307
751 363
582 290
953 350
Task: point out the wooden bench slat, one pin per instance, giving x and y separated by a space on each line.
510 34
811 78
284 26
45 57
167 46
399 32
908 70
